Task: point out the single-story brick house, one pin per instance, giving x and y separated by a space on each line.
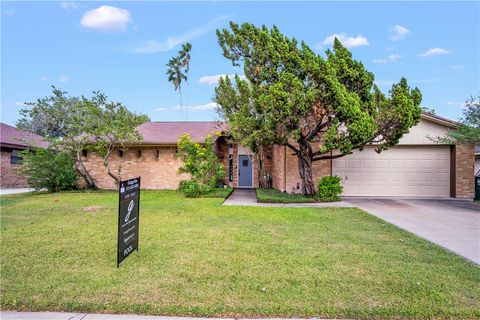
12 141
416 167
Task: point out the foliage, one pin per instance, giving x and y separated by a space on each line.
111 126
428 110
178 67
74 124
330 188
48 169
201 163
222 193
468 131
313 262
192 189
314 105
276 196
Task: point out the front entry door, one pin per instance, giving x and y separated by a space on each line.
244 172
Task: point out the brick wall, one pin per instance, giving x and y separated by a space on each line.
278 167
9 178
156 173
464 171
288 180
294 182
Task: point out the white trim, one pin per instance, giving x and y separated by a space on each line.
250 156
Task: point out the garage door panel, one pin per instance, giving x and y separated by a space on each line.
399 171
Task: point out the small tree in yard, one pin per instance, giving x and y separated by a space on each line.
111 126
74 124
320 108
200 162
48 169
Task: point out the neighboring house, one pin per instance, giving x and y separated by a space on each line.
477 161
12 141
416 167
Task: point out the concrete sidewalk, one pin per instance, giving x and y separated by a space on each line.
13 315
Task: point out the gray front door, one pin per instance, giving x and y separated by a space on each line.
244 171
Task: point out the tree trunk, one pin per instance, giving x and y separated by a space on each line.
83 172
305 169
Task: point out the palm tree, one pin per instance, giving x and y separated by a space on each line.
178 67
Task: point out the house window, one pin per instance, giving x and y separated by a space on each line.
245 163
120 153
84 153
15 157
139 153
158 153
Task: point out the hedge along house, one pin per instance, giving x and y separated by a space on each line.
12 141
416 167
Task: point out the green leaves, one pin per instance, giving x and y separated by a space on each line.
47 169
178 67
468 131
73 124
200 162
295 97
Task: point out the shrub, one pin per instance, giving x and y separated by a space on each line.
47 169
330 188
193 189
200 162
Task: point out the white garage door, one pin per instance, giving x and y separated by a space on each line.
400 171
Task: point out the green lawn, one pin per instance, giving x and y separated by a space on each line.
58 252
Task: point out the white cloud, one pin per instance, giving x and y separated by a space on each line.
349 42
398 32
107 19
20 104
434 52
63 79
213 80
457 67
154 46
452 103
44 78
198 108
69 6
9 12
391 58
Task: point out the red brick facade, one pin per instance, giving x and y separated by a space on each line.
464 171
161 172
9 178
156 172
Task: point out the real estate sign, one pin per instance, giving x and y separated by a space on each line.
128 218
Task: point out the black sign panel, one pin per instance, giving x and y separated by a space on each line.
128 218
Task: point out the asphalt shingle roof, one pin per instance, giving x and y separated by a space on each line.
169 132
11 136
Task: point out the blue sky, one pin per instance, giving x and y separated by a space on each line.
121 48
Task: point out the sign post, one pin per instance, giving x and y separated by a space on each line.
128 218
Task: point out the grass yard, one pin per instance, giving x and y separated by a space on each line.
58 252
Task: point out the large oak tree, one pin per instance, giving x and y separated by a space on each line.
319 107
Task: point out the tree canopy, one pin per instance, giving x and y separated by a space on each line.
320 107
468 131
74 124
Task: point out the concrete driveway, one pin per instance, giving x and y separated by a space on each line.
452 224
15 191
